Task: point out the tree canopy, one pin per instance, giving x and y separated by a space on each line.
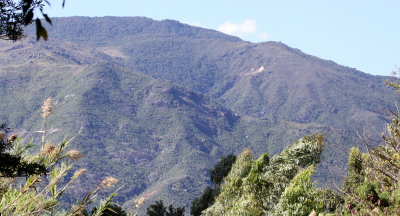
12 164
158 209
217 175
17 14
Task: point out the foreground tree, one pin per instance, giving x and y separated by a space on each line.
221 170
205 200
12 164
277 186
15 15
217 174
158 209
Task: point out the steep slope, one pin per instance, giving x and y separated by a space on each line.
158 138
288 84
267 79
31 71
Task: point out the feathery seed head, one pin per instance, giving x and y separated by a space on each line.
77 210
109 182
139 201
47 107
74 154
79 172
13 137
48 148
313 213
3 135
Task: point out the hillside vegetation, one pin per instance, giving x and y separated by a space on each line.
266 79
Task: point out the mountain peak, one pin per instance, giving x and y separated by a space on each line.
104 31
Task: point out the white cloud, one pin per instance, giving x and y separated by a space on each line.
241 29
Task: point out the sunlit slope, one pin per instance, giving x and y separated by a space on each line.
266 79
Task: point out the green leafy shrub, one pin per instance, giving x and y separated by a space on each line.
300 196
256 187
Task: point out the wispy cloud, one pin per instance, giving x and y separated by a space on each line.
240 29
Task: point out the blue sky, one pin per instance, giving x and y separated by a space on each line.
355 33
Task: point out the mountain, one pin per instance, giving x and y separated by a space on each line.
160 102
267 79
158 138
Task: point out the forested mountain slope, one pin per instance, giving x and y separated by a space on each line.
262 80
158 138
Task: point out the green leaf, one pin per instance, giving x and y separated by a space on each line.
47 18
40 30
